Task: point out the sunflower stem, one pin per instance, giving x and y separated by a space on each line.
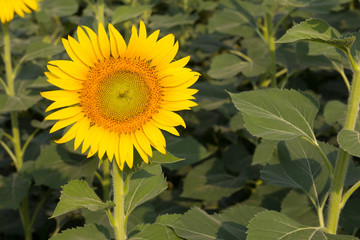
100 11
106 180
337 183
24 207
119 200
271 44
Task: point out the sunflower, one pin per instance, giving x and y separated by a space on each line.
118 96
9 7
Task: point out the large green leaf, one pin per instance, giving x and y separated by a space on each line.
196 224
210 181
88 232
277 114
316 30
13 189
188 148
154 231
20 102
350 141
60 8
335 111
226 66
297 206
40 49
143 186
300 165
124 13
55 166
264 151
78 194
272 225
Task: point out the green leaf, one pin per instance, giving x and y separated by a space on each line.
60 8
88 232
196 224
55 166
272 225
264 151
169 21
277 114
154 231
350 141
20 102
226 66
77 194
143 186
164 159
210 181
317 30
297 206
188 148
335 111
267 196
124 13
13 189
40 49
300 165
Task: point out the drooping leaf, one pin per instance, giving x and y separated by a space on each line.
210 181
350 141
272 225
13 189
300 165
41 50
168 21
164 159
143 186
277 114
88 232
316 30
124 13
264 152
335 111
226 66
154 231
78 194
61 8
188 148
297 206
55 166
196 224
19 102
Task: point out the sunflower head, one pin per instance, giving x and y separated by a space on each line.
117 97
9 7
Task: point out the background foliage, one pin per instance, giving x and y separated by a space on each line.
230 174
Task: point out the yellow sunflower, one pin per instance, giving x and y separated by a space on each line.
9 7
118 96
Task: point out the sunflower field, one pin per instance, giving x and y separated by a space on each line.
179 119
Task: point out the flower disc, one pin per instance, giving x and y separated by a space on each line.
9 7
115 96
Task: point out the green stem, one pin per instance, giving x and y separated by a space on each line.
342 161
119 199
106 180
349 193
100 11
8 150
24 215
7 60
271 44
26 144
24 207
17 140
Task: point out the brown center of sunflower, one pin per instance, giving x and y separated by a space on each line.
121 94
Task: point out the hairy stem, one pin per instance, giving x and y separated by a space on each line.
337 184
119 199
